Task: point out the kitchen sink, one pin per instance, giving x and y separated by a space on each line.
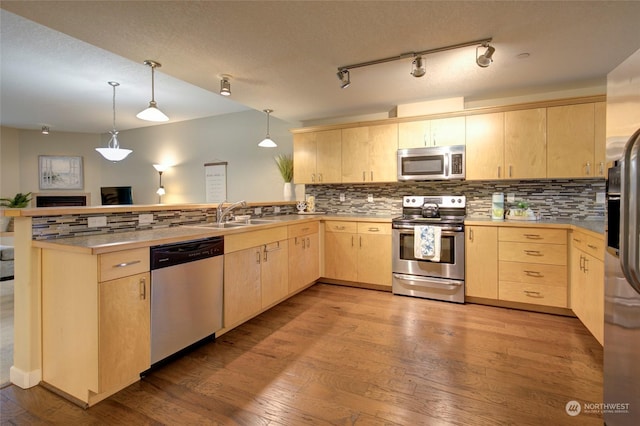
224 225
260 221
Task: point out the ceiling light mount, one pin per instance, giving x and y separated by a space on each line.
113 152
152 113
267 142
418 69
225 85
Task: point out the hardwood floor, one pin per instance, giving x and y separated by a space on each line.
343 356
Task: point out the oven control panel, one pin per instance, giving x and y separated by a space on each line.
443 201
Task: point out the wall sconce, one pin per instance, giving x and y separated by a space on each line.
160 168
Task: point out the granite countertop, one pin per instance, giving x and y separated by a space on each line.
594 226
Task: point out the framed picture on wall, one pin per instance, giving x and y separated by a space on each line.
60 172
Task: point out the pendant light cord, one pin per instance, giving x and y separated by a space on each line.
113 143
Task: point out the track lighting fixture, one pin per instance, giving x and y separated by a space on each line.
344 77
152 113
418 68
485 59
267 142
113 152
45 130
225 85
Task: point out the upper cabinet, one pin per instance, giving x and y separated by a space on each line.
485 145
576 146
369 153
317 157
437 132
525 138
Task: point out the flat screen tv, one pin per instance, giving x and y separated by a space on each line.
116 195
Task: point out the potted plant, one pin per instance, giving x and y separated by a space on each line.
285 166
19 201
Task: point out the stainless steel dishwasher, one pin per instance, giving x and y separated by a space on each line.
186 294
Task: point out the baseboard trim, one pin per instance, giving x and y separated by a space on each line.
24 379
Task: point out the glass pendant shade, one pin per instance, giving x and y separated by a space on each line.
113 152
161 191
152 113
267 142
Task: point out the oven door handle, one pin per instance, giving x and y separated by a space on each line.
445 230
428 282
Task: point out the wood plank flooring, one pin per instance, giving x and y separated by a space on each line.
345 356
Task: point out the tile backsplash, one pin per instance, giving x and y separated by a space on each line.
553 199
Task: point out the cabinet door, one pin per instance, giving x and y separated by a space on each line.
275 272
571 144
328 157
383 152
312 258
374 259
304 263
414 134
448 131
124 330
600 140
242 285
355 154
525 139
485 146
340 256
304 157
481 260
594 303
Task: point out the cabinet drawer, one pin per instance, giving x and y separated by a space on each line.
538 294
245 240
534 273
532 235
374 228
301 229
588 244
123 263
550 254
341 226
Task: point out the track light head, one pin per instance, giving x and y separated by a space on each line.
418 68
485 59
344 77
225 85
45 130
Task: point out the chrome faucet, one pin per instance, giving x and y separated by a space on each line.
220 214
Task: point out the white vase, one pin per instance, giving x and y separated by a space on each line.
289 191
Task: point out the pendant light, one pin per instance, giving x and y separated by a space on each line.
113 152
152 113
267 142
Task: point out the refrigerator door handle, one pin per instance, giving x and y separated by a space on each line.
629 212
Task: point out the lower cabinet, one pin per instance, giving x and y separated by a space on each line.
304 255
95 321
481 261
358 251
587 281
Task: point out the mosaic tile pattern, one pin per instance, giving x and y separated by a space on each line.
553 199
64 226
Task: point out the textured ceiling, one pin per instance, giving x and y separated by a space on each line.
284 55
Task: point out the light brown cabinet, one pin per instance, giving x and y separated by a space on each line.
485 146
95 321
436 132
369 153
587 281
317 157
304 255
576 141
481 261
358 252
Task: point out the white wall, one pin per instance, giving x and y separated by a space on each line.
251 172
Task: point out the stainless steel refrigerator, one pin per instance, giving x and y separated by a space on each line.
621 405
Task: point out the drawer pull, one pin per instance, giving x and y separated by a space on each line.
372 229
533 274
305 229
533 236
340 228
533 253
591 246
125 264
535 294
143 288
577 240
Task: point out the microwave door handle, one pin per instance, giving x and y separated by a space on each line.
446 164
629 215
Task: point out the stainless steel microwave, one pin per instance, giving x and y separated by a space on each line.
432 163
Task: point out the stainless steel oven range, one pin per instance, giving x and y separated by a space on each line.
443 278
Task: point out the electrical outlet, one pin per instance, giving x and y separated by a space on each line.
276 209
96 221
511 198
370 198
600 198
257 210
145 219
342 196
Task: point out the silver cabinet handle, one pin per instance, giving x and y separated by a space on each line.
533 236
586 263
582 263
534 274
535 294
471 235
601 168
258 256
499 170
319 177
265 253
125 264
360 242
313 177
591 246
364 176
340 228
304 244
352 241
533 253
143 288
308 243
510 170
374 229
588 168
